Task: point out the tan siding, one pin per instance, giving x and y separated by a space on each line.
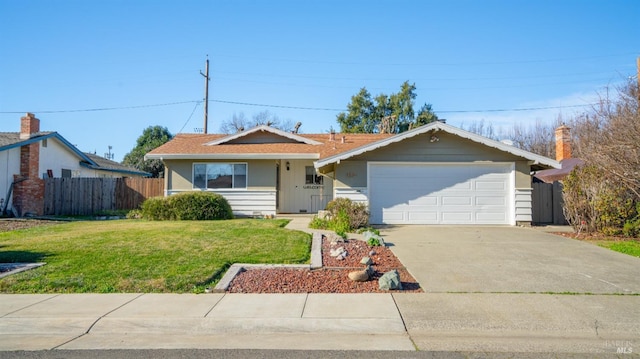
179 175
523 174
262 174
351 174
448 148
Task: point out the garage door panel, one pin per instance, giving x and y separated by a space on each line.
424 201
422 217
490 185
440 193
457 201
393 216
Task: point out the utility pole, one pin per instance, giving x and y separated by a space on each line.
206 94
638 74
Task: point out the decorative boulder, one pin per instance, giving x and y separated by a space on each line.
359 276
337 251
366 261
390 280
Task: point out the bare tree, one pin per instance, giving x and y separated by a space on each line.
483 129
608 136
605 195
538 138
239 122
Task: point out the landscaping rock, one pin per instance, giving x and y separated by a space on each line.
336 252
390 280
366 261
359 276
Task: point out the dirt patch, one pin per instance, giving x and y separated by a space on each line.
331 278
12 224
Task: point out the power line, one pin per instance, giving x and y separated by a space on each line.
102 108
287 107
189 119
516 109
467 64
279 106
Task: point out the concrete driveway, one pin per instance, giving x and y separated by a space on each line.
509 260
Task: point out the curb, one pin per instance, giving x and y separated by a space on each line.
236 268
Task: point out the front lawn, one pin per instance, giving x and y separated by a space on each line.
629 246
143 256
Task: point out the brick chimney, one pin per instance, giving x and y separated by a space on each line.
563 143
28 191
29 126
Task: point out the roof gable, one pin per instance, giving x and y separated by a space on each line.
262 134
434 127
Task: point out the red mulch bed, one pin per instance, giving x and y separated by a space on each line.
331 278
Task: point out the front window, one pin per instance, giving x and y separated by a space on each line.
219 175
311 177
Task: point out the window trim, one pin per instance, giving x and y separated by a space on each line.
232 164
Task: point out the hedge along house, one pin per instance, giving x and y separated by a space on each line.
434 174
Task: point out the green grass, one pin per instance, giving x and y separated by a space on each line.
143 256
629 247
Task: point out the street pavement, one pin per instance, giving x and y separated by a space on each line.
469 309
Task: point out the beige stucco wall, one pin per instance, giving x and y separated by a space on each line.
261 174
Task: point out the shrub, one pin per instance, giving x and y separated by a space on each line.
187 206
156 209
593 202
344 216
340 223
356 213
319 223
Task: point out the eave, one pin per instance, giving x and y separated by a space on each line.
232 156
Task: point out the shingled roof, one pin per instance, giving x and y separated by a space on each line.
218 146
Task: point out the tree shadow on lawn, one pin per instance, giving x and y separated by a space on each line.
22 256
12 262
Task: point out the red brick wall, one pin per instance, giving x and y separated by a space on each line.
28 190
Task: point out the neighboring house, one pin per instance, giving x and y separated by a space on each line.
434 174
563 155
29 156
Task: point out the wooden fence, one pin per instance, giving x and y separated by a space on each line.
87 196
547 203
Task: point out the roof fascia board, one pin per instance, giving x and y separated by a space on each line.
261 128
47 136
232 156
98 168
27 141
439 126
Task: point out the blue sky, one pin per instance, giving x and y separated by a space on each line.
302 61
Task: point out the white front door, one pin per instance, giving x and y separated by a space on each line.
419 193
301 189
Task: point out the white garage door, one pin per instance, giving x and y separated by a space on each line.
416 193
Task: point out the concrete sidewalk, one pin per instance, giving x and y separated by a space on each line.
206 321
